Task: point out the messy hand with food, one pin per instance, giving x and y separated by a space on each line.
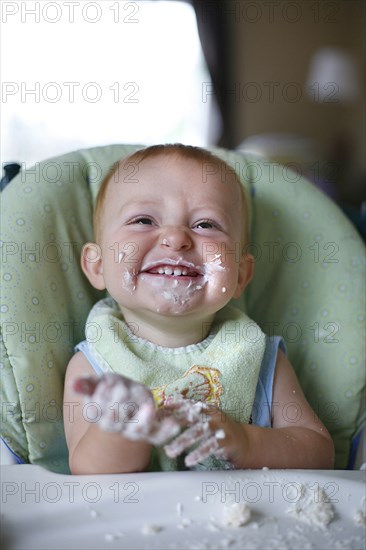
207 430
127 407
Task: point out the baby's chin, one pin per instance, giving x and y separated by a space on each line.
175 297
174 307
190 312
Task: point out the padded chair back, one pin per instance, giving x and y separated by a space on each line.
308 287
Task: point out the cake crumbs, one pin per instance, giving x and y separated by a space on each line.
236 514
360 514
184 523
313 511
151 529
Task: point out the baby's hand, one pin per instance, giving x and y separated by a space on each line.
127 407
192 414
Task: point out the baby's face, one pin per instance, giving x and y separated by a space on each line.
171 238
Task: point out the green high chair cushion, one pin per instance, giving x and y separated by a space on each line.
308 287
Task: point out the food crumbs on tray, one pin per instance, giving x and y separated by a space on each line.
151 529
236 514
360 514
184 523
213 527
110 537
226 543
313 507
360 517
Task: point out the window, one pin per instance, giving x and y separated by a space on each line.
80 74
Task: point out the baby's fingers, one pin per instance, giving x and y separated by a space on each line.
186 439
163 431
185 411
208 447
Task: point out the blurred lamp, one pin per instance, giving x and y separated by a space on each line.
332 77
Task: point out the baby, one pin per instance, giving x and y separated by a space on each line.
170 375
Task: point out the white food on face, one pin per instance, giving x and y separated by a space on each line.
129 280
236 514
211 269
180 294
213 266
182 279
179 291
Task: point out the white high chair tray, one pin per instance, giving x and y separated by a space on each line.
43 510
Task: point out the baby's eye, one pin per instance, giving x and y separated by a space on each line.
143 220
206 224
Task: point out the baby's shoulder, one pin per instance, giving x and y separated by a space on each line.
79 366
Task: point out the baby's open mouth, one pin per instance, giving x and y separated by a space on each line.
173 268
176 271
176 278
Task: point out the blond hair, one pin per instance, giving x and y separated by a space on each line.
211 163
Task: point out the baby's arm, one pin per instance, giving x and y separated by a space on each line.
297 439
111 431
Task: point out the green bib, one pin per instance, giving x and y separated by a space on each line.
221 371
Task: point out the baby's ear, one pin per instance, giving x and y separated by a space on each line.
245 274
91 264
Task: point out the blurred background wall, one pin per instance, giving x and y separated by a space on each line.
277 45
280 78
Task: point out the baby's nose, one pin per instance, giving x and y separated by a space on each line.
176 237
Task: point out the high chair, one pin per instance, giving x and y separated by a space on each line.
308 287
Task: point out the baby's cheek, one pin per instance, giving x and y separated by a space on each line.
221 287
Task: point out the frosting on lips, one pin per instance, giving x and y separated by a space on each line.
172 268
176 271
177 278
